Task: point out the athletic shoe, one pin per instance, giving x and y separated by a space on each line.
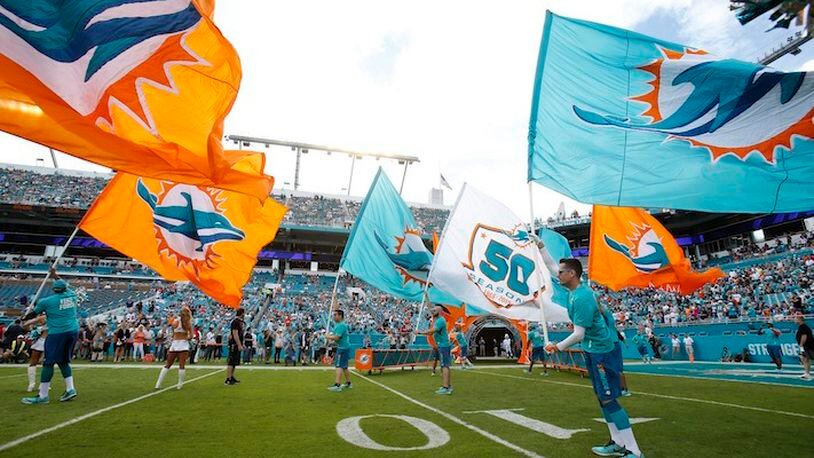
67 396
629 454
347 386
433 373
609 449
335 388
443 390
626 393
235 381
35 400
226 382
804 377
544 374
30 388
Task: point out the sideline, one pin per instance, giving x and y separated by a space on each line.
454 419
72 421
662 396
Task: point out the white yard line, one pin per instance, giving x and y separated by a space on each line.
663 396
455 419
72 421
189 366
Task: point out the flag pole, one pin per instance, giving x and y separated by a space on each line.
53 266
420 310
333 300
543 322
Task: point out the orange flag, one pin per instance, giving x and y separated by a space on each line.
629 247
140 87
208 236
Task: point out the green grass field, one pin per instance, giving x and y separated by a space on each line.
291 413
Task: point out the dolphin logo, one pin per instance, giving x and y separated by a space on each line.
725 105
650 254
204 226
103 30
411 259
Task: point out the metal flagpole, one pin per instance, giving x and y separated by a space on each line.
53 266
420 310
543 321
333 300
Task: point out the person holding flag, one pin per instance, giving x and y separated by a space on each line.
439 333
60 311
462 345
537 349
340 335
592 331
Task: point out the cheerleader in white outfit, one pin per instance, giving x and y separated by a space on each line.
37 349
179 348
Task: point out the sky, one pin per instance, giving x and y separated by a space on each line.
448 82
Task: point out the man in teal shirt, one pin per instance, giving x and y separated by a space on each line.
60 311
592 330
342 339
441 336
537 348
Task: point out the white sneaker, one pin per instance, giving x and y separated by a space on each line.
804 377
31 388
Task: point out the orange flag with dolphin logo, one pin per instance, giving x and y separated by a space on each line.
630 248
138 86
208 236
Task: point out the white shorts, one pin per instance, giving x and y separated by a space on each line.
179 345
39 345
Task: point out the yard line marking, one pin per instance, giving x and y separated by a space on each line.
698 377
11 376
189 366
72 421
663 396
455 419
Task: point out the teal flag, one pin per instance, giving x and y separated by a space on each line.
619 118
385 248
557 246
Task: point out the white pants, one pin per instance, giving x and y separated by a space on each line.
138 349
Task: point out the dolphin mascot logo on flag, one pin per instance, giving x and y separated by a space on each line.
713 104
188 221
98 54
647 253
410 257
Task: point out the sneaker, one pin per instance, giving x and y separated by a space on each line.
433 373
35 400
335 388
235 381
30 388
347 386
67 396
226 382
626 393
609 449
804 377
544 374
629 454
443 390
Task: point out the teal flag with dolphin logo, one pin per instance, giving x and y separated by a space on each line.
557 246
385 248
623 119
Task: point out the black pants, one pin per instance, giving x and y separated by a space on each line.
277 351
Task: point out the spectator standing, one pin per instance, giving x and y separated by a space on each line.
806 341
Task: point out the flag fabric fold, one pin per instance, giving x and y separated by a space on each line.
208 236
630 248
385 247
487 259
619 118
137 86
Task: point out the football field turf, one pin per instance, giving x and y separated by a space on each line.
291 413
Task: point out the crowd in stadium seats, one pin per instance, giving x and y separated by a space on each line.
773 291
21 186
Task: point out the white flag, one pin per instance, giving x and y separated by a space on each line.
485 258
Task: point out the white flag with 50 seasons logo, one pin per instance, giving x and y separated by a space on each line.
485 258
